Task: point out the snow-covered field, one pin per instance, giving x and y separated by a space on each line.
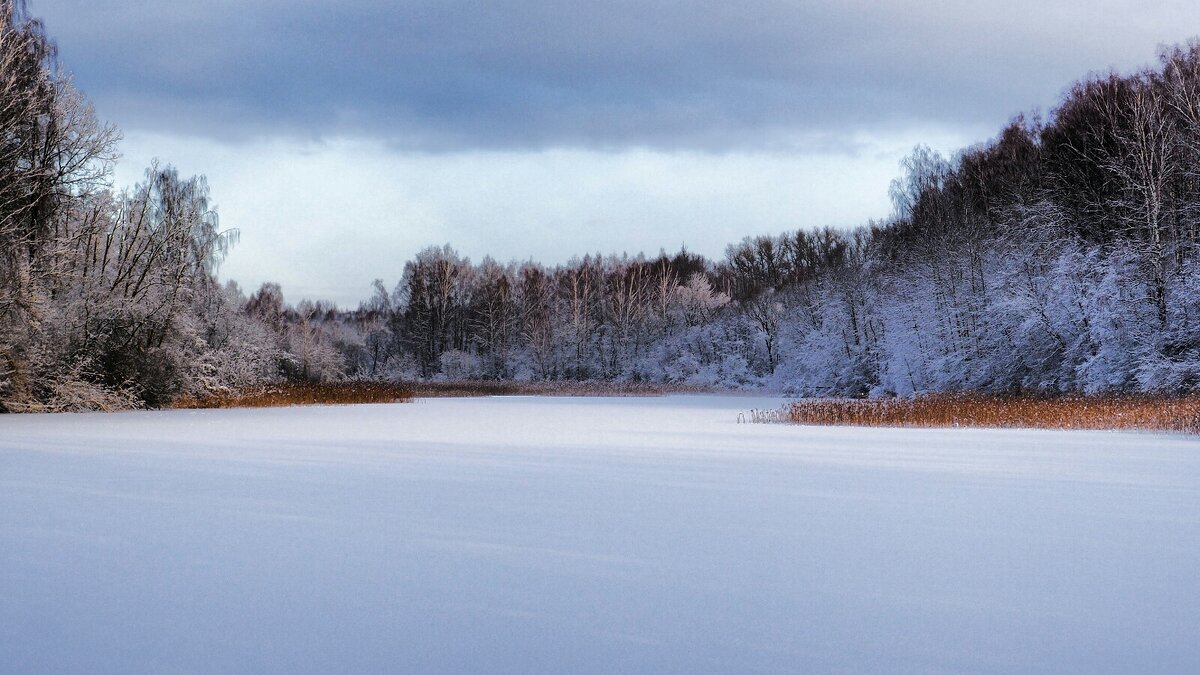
588 535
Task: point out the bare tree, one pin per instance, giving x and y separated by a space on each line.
581 281
494 316
54 154
536 298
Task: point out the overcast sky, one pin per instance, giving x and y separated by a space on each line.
341 137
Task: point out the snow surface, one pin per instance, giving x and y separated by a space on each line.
588 535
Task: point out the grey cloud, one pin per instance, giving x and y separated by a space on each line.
538 73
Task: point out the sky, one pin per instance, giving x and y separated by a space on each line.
340 138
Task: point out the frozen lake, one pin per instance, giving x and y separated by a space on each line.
588 535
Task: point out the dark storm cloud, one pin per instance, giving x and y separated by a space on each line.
448 74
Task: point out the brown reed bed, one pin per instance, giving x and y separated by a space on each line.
303 393
1145 413
348 393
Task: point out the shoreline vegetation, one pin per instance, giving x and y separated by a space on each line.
352 393
1179 414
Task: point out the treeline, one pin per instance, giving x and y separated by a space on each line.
1061 257
1058 258
669 319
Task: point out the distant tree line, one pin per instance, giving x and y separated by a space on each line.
1059 257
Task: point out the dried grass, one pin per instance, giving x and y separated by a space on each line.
1146 413
346 393
339 393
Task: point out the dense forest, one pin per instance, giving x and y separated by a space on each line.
1059 257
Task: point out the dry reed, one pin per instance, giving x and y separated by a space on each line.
337 393
345 393
1148 413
